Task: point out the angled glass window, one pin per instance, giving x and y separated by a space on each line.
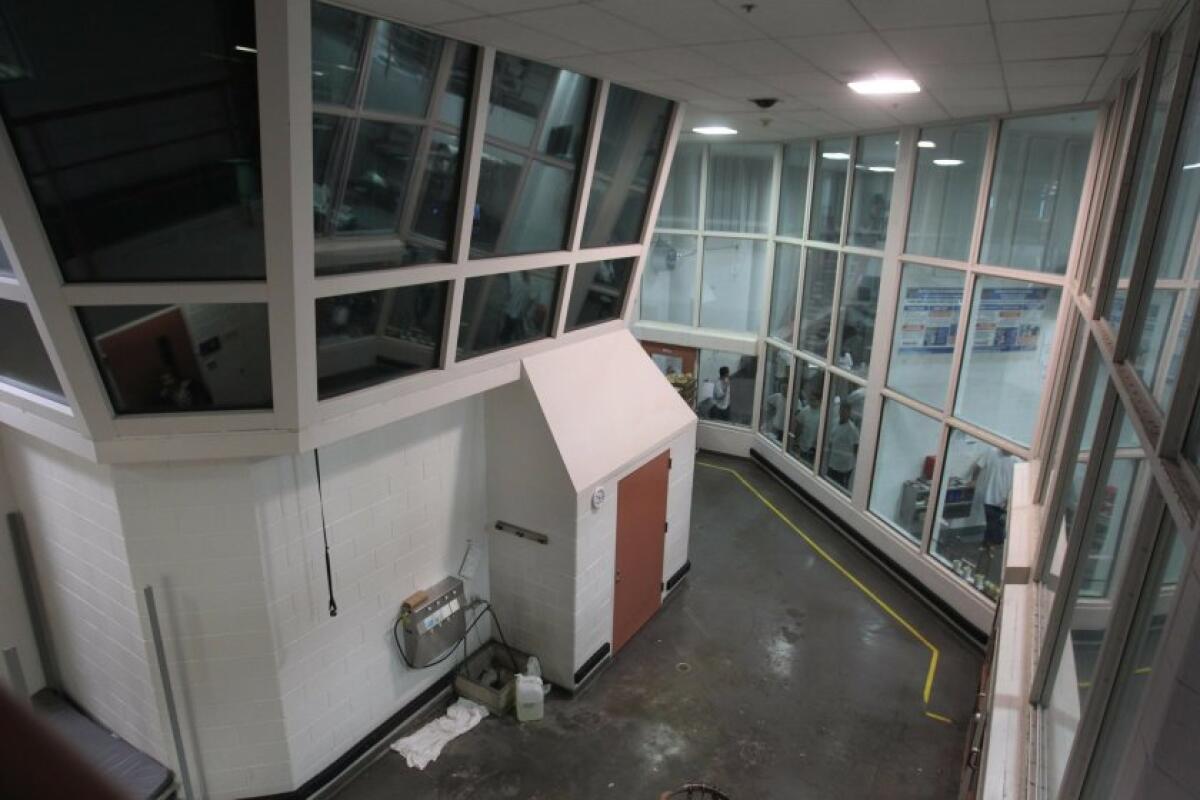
772 416
24 362
843 427
871 197
908 443
926 328
181 358
784 286
631 145
669 279
533 148
804 425
793 189
402 67
680 207
6 268
598 292
734 284
829 190
946 191
339 38
739 187
138 136
501 311
370 338
726 387
1036 188
856 315
816 300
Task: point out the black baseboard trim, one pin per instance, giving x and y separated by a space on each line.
923 593
592 662
678 576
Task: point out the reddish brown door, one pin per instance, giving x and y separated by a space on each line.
641 530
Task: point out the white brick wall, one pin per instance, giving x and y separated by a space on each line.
16 630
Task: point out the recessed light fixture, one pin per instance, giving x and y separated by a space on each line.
714 130
241 48
948 162
835 156
926 144
1195 165
882 169
885 86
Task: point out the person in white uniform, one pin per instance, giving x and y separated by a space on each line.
842 447
805 423
992 475
721 396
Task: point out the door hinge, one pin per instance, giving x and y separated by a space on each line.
666 527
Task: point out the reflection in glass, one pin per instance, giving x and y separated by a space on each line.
773 415
856 318
739 187
537 121
734 284
680 203
598 292
843 427
180 358
669 278
816 300
949 165
500 311
972 518
403 64
829 190
872 193
925 331
808 387
1036 186
338 37
726 387
138 135
784 286
1007 356
908 442
793 189
24 362
631 145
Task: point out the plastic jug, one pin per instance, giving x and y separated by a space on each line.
530 698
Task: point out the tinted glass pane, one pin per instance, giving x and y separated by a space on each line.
402 67
598 291
784 286
856 317
537 121
949 165
793 190
726 387
378 178
773 415
338 37
6 267
506 310
669 279
679 207
24 362
843 424
829 190
808 388
872 195
181 358
816 300
735 284
138 135
1007 356
739 187
1035 192
908 442
631 145
925 331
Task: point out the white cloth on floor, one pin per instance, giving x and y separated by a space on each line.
424 746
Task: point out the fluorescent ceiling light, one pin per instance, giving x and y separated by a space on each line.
925 143
714 130
947 162
885 86
1192 166
836 156
882 169
241 48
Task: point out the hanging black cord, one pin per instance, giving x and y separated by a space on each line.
325 535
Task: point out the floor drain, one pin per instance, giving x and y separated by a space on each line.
683 666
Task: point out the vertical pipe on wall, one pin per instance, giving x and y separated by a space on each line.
33 599
164 674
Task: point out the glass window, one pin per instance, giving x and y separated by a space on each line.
808 388
908 442
843 426
669 279
598 292
773 414
338 39
946 191
727 387
24 362
403 64
784 287
500 311
872 194
925 331
138 136
829 190
537 122
739 187
1007 356
856 317
1036 188
1191 447
180 358
6 268
680 204
793 190
972 518
816 300
734 287
631 145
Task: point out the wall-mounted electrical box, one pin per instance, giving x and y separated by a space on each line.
434 619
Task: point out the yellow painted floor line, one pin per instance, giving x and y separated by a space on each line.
934 654
939 717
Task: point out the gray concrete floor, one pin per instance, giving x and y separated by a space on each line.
767 674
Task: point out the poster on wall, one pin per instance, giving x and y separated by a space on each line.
1009 320
929 319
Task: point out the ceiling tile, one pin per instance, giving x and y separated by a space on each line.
973 102
803 83
675 90
762 57
1134 30
500 6
1052 72
613 67
738 86
1057 38
782 18
418 12
848 55
1110 72
595 29
864 118
676 62
959 76
1009 10
684 21
913 108
1033 97
887 14
964 44
512 38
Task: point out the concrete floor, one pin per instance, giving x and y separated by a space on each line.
768 674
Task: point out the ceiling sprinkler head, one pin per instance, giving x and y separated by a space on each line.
748 7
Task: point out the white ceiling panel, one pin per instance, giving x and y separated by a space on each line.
1112 69
782 18
595 29
847 55
1057 38
761 57
684 21
738 86
962 44
973 102
913 108
1134 30
500 6
418 12
960 76
1045 96
805 83
677 62
886 14
1053 72
512 38
1010 10
614 67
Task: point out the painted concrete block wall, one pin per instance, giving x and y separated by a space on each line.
16 630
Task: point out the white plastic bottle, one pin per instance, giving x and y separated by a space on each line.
530 699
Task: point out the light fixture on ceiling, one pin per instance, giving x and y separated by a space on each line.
881 85
836 156
881 169
714 130
926 144
241 48
948 162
